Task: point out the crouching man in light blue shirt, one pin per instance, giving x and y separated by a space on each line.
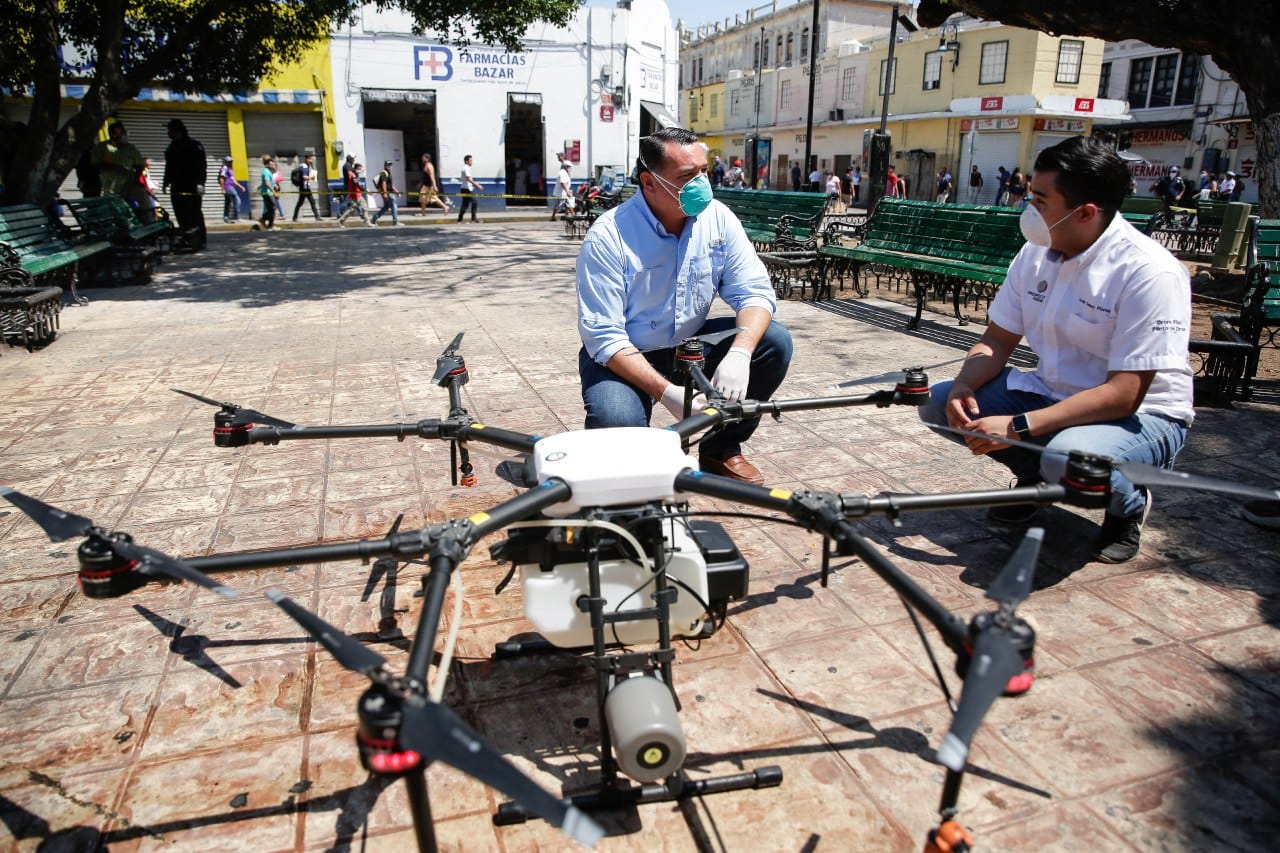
647 274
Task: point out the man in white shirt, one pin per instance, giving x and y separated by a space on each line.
469 187
1108 311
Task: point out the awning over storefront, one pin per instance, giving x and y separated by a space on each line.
77 92
659 113
399 96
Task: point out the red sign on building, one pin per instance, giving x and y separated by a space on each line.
992 104
606 112
1084 105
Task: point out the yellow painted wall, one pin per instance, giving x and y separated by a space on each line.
313 70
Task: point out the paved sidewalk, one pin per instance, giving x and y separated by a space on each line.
173 718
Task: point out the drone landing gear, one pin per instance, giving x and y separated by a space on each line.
677 787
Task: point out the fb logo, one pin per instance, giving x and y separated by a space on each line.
436 59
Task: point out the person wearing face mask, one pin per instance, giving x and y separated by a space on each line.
648 272
1108 311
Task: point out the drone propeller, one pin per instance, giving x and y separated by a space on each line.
60 525
449 360
994 661
995 658
1013 585
437 734
352 654
897 374
709 339
1140 473
242 416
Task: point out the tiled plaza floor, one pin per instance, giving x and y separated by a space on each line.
174 719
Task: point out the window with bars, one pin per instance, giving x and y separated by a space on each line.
1188 79
893 77
791 38
784 99
1104 80
693 110
932 70
849 84
756 53
1166 72
1139 82
777 51
715 105
735 103
995 56
1070 56
804 45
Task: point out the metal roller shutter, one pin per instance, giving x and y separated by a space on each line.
287 136
990 152
148 130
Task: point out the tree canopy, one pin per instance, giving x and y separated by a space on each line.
1241 37
116 48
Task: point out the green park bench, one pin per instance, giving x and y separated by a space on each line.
28 312
1196 231
577 225
139 245
1146 213
1259 319
48 254
957 250
777 220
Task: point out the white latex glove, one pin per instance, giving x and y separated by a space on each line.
732 374
672 400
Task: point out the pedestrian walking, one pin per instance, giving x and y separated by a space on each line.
975 184
943 186
385 183
230 196
303 178
268 189
355 196
795 177
185 173
846 188
469 189
564 192
348 166
833 193
815 181
857 183
429 188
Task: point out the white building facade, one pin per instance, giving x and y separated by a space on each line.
1186 112
588 90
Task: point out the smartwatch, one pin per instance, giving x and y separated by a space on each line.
1022 427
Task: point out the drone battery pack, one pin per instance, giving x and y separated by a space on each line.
727 570
612 467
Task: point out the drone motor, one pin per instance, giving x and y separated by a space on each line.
104 574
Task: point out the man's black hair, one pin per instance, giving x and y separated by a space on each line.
1088 172
653 148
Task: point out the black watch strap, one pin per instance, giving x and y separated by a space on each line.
1022 427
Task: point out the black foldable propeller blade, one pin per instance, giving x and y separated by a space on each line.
995 660
152 562
448 360
1140 473
352 654
1012 586
436 733
710 339
58 524
1150 475
61 525
894 375
243 416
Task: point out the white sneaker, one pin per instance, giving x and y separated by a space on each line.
371 224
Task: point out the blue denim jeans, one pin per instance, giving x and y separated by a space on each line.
611 402
389 203
1153 439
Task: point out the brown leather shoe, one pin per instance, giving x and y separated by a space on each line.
736 467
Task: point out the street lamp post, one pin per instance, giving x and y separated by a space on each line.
755 139
880 139
813 59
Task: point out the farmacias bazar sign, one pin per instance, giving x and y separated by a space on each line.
440 63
